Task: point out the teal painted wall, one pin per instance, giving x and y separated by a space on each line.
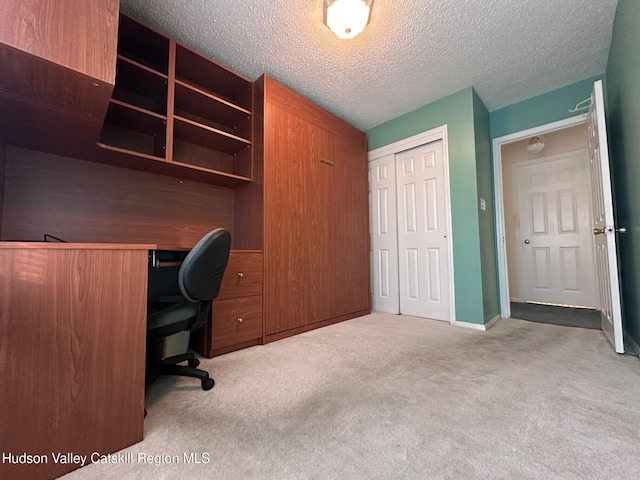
546 108
488 257
623 117
457 112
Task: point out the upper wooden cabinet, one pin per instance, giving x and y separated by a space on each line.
177 112
57 69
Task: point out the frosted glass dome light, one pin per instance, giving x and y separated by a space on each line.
347 18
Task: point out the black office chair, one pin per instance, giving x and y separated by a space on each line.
199 279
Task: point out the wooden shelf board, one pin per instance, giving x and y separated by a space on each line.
148 163
202 103
128 116
193 132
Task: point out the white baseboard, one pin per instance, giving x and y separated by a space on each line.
477 326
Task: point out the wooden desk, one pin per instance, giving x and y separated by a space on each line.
72 351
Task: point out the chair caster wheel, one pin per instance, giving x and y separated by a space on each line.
208 383
194 362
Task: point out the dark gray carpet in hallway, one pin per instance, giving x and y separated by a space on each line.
564 316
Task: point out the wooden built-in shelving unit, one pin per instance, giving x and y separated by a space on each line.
170 104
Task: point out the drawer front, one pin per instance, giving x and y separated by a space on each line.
243 275
236 320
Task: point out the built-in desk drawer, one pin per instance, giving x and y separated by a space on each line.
236 315
243 275
235 321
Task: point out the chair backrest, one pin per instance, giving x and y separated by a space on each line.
200 274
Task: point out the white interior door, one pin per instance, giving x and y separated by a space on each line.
555 231
423 255
603 222
384 235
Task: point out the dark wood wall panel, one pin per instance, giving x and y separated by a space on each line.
3 162
82 201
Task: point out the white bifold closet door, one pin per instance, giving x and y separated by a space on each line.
409 211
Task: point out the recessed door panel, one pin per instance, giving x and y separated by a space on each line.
555 231
422 240
384 241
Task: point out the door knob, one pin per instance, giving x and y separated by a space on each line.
527 241
599 231
621 230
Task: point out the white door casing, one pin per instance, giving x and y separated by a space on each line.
423 255
603 222
555 230
384 235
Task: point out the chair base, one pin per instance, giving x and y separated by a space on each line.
169 366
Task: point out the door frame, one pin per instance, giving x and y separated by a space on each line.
503 278
433 135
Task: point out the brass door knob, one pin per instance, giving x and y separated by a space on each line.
599 231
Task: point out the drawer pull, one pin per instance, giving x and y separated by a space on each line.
240 275
239 320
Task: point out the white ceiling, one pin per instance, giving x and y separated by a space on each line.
412 53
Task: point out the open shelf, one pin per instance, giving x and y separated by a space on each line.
209 118
198 134
140 86
132 128
194 69
195 104
143 45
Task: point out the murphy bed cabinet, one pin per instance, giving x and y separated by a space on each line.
316 236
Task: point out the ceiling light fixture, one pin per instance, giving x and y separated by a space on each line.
347 18
536 144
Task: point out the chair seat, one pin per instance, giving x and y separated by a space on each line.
176 317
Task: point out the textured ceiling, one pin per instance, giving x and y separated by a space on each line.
412 53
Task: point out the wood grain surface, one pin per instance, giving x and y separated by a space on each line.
82 201
72 343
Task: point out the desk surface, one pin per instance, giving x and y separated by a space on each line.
84 246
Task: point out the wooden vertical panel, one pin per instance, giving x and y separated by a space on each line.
171 95
249 202
289 220
351 219
72 353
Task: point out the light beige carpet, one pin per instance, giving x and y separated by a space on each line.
396 397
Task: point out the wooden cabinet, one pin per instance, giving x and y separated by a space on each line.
73 322
177 112
57 70
236 317
316 238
